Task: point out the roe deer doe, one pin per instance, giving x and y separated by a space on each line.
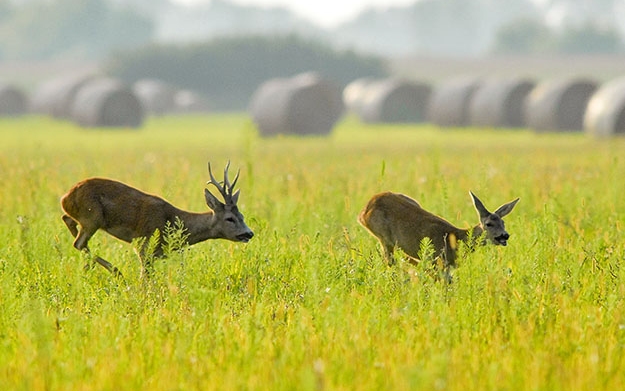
127 214
399 221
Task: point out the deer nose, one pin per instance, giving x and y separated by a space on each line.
245 237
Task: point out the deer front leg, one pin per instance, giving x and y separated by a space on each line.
449 255
72 225
147 256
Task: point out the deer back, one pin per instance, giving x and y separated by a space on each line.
119 209
398 220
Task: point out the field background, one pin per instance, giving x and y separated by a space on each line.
308 304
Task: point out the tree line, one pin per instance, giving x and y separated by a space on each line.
228 70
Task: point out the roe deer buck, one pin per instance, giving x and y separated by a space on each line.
399 221
127 214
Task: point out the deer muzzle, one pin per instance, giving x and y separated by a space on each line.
245 237
502 239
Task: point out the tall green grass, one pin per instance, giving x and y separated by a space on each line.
309 304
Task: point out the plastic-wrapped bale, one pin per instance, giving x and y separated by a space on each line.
559 105
157 97
605 114
500 103
354 94
107 103
393 100
13 102
305 104
55 97
450 102
187 101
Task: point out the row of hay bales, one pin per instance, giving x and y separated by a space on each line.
566 104
160 98
90 101
96 101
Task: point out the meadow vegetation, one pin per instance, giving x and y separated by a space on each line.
309 303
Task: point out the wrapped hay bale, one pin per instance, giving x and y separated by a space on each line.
393 100
500 103
305 104
354 94
13 102
56 96
605 114
450 102
559 105
157 97
187 101
107 103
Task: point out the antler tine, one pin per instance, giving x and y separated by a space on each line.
215 182
226 181
229 187
234 183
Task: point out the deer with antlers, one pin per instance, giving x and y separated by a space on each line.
128 214
397 220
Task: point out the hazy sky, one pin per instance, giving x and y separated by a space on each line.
326 13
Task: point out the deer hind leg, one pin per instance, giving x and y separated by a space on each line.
80 243
108 266
388 250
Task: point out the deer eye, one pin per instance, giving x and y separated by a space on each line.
231 220
489 224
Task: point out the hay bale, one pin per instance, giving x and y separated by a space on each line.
13 102
305 104
107 103
500 103
187 101
354 94
156 96
393 100
605 114
559 105
55 97
450 102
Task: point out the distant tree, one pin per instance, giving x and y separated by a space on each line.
523 36
581 12
589 38
532 36
71 28
447 27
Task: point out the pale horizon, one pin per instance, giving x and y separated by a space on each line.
325 13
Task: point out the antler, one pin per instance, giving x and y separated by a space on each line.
230 187
227 189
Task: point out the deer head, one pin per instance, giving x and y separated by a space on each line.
492 223
230 220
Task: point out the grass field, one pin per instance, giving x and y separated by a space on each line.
308 304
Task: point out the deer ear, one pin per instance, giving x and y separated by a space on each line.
479 206
212 201
506 208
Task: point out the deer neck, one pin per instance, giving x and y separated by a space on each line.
469 235
199 226
475 232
